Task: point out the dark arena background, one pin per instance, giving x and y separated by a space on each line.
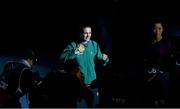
49 28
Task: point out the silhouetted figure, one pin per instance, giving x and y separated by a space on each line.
38 97
17 76
63 86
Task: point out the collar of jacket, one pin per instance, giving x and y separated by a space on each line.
25 62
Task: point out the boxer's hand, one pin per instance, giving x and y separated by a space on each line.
80 48
104 57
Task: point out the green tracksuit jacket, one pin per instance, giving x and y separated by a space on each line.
86 60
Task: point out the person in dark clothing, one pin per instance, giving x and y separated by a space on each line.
157 68
63 86
17 75
37 96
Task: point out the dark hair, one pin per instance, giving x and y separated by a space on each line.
159 20
30 54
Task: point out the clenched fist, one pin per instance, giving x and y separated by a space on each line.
104 57
80 49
